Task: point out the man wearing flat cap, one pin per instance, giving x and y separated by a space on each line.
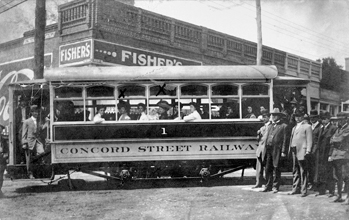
275 148
324 174
339 152
163 108
301 143
30 138
316 127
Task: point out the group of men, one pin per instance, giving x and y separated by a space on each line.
319 147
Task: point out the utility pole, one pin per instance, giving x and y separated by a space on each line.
259 32
39 38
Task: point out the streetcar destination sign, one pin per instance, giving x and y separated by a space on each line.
83 152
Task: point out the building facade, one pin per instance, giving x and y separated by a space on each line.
98 32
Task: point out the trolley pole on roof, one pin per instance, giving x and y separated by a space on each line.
39 38
259 32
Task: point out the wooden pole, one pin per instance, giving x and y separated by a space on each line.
259 32
39 38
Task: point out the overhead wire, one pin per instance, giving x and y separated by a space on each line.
314 33
8 3
329 47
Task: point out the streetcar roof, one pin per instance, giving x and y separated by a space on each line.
290 80
132 73
29 82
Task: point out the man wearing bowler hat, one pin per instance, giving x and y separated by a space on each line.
30 138
275 148
301 143
316 127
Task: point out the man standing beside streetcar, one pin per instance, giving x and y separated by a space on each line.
301 143
275 148
261 150
339 153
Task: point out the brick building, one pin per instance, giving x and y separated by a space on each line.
96 32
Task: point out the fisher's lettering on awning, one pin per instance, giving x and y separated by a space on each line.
110 53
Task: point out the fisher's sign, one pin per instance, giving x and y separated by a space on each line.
75 53
110 53
77 152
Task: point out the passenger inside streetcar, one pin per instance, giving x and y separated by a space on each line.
99 116
175 114
124 109
153 114
163 108
142 112
194 114
250 113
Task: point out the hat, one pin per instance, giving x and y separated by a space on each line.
313 114
343 115
276 111
299 113
325 115
333 118
265 112
34 108
196 105
164 105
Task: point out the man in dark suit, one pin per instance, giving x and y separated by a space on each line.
339 153
301 143
324 174
3 159
316 126
30 138
275 148
261 150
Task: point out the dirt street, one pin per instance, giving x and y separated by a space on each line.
94 199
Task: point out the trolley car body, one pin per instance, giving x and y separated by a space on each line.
172 147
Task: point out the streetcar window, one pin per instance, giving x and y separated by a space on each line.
68 92
97 97
224 90
194 90
163 90
100 91
225 101
255 89
64 110
129 96
254 98
130 90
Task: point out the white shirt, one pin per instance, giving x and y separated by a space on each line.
98 118
192 116
35 123
314 125
143 117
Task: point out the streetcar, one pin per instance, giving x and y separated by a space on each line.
69 99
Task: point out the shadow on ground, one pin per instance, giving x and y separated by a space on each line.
83 185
